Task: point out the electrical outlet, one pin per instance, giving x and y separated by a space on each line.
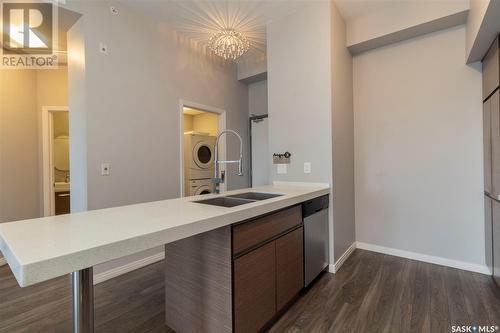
282 169
307 167
105 169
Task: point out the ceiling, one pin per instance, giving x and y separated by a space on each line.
353 9
198 19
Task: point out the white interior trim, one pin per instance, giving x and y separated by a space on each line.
466 266
47 158
336 266
132 266
222 126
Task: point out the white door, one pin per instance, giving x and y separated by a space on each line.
260 152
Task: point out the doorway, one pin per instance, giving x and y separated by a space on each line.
259 150
56 168
200 125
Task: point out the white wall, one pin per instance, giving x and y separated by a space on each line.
342 138
132 105
418 148
257 98
299 86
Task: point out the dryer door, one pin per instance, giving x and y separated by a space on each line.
203 155
204 189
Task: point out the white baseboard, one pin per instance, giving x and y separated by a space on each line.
117 271
335 267
466 266
483 269
3 261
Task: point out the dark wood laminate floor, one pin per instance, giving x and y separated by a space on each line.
371 293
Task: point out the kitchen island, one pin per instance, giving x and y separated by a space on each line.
41 249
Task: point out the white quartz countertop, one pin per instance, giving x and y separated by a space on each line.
44 248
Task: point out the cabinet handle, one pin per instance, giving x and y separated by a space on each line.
63 195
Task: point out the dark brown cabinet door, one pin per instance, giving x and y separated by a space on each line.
496 241
255 289
289 267
488 232
487 145
495 143
62 203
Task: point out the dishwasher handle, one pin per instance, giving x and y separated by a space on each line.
315 205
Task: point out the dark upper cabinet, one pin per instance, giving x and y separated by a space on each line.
491 70
494 107
255 289
289 267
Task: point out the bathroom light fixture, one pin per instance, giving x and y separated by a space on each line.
229 44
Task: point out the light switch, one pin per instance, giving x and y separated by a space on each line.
282 169
105 169
307 167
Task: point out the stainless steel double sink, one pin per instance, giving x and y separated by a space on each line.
238 199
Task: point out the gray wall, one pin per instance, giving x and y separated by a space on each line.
131 110
19 182
418 148
77 117
311 108
299 85
257 98
300 96
343 138
23 93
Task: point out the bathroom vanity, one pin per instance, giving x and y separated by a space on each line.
232 264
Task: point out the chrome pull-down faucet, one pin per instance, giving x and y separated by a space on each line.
220 179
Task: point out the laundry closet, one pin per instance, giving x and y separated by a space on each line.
200 132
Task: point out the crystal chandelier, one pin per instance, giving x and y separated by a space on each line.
229 44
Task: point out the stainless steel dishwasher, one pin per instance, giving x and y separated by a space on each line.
316 237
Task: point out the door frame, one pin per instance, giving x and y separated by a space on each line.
48 158
250 120
221 114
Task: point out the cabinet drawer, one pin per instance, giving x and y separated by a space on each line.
491 70
251 233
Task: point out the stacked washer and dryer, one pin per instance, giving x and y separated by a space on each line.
199 150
